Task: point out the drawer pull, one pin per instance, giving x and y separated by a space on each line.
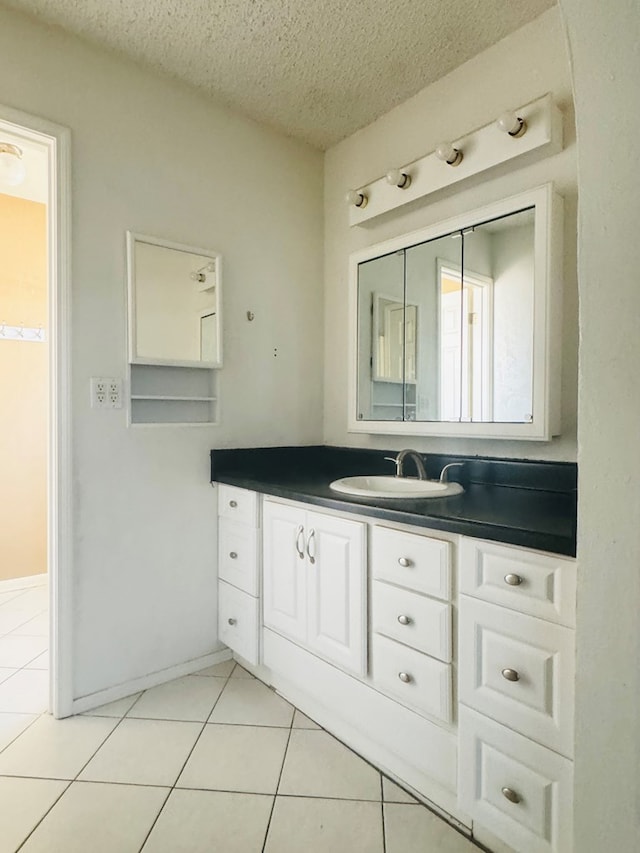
233 504
299 550
510 675
405 562
405 620
231 620
511 795
312 538
405 677
233 555
513 580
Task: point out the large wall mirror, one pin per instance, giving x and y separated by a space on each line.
174 303
456 327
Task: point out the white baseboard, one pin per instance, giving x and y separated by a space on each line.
12 584
119 691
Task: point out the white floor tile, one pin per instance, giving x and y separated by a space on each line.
118 708
9 596
392 793
317 765
42 661
100 818
143 752
11 725
26 692
35 627
301 721
415 830
206 821
18 651
317 826
222 670
188 698
246 701
12 616
24 803
6 672
240 672
236 758
55 749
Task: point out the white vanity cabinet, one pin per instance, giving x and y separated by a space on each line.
516 684
315 582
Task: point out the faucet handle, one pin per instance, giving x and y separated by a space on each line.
396 462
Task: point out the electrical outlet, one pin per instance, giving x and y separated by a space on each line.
106 393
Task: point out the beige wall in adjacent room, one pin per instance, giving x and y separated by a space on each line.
23 390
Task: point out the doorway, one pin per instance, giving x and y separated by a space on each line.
35 568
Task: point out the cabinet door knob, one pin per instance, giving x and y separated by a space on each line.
233 555
405 677
231 620
511 674
404 620
511 795
405 562
233 504
513 580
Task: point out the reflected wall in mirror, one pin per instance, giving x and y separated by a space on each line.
174 303
453 326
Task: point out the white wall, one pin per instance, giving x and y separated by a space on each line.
606 68
518 69
152 156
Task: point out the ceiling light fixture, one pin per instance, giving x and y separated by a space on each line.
398 178
511 123
12 169
357 198
448 154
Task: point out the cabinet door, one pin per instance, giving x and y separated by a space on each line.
285 587
336 582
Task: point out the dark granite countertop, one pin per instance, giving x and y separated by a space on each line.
518 502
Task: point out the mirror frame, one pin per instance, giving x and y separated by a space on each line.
134 237
547 321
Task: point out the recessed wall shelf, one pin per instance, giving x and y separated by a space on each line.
172 395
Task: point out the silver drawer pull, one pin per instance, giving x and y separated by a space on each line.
405 677
511 674
233 504
513 580
405 620
232 621
312 538
511 795
300 550
405 562
233 555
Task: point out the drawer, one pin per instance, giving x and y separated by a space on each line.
238 504
413 561
238 555
420 622
238 621
426 682
517 789
541 585
519 671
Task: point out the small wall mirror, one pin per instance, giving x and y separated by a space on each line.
174 303
456 325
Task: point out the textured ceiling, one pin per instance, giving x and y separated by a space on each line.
314 69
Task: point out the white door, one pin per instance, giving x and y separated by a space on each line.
336 590
285 568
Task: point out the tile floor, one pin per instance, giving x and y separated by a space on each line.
213 762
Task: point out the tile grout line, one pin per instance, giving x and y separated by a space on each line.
197 740
275 796
384 834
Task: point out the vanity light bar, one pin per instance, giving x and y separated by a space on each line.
534 129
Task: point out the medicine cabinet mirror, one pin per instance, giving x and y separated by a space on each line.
175 303
455 329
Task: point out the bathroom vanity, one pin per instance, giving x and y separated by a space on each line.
435 636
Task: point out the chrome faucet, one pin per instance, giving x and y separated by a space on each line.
399 463
443 474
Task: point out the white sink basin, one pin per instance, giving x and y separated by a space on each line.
394 487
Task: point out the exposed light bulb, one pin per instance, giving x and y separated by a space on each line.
12 169
448 154
511 123
357 198
398 178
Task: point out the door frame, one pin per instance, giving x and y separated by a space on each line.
59 458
